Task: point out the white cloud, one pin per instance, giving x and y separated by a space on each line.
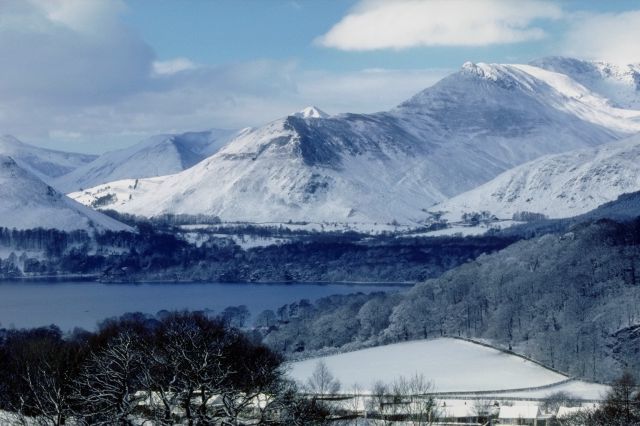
607 36
173 66
369 90
233 96
400 24
68 52
89 17
74 76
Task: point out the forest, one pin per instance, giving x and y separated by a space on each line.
567 300
154 253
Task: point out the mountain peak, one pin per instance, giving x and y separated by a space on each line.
481 69
311 112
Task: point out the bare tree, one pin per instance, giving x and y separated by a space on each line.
322 382
410 399
297 410
107 387
190 362
356 403
553 402
235 316
380 399
256 375
266 319
38 370
422 404
622 404
482 409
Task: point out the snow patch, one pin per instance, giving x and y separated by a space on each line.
452 365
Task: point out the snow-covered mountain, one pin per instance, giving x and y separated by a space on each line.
450 138
27 202
560 185
44 163
311 112
156 156
619 83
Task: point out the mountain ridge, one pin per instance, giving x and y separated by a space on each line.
388 166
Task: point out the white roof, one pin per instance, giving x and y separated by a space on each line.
519 412
568 411
458 411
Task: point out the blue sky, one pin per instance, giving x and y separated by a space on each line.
222 31
94 75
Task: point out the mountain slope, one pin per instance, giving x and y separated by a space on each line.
619 83
27 202
44 163
561 185
387 166
156 156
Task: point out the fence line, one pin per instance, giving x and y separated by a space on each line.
469 395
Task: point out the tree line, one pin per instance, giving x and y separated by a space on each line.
182 368
151 254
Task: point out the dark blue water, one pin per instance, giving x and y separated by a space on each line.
84 304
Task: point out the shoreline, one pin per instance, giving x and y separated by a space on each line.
96 278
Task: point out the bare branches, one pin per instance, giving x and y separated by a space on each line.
322 382
185 368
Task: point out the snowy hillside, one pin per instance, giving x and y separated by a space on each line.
561 185
619 83
156 156
44 163
27 202
452 365
388 166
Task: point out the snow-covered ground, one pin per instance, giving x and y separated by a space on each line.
468 370
365 227
244 241
560 185
465 230
452 365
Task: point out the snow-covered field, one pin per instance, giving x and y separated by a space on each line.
465 230
452 365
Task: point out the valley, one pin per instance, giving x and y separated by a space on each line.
482 235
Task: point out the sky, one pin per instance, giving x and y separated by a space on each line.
97 75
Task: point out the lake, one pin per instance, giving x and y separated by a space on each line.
83 304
